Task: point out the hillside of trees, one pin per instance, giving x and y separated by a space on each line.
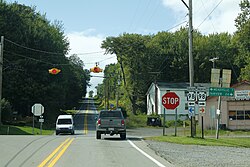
32 46
142 59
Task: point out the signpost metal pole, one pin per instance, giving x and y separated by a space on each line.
202 128
164 114
175 124
33 125
218 112
41 126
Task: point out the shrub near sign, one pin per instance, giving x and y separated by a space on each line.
170 100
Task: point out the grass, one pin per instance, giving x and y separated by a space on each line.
72 112
229 142
136 121
22 130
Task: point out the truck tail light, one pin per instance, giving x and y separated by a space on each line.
99 122
123 122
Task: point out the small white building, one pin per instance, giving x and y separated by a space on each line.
154 99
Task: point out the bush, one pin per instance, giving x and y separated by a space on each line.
136 121
7 111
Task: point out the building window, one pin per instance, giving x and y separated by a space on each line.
247 115
239 115
232 115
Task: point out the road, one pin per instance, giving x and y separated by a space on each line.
81 149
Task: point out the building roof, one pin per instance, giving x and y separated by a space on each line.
240 83
181 85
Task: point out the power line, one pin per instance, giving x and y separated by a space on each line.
36 50
210 13
47 52
88 53
176 25
19 55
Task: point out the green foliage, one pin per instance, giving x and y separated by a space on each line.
164 57
136 121
26 79
7 111
91 93
241 40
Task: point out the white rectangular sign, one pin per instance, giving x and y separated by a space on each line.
242 94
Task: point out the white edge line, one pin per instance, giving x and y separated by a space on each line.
145 154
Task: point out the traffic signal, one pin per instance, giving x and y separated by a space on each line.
54 71
95 69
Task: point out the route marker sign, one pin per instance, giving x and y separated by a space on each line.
213 91
170 100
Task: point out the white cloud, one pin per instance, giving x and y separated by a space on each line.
221 19
85 42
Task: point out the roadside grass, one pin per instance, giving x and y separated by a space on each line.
136 121
72 112
22 130
229 142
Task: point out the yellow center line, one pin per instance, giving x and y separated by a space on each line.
60 154
53 153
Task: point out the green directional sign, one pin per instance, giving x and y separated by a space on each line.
213 91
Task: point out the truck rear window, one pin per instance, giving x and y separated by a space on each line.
110 114
64 121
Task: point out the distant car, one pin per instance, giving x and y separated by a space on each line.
65 124
111 122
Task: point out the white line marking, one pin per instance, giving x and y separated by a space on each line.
146 155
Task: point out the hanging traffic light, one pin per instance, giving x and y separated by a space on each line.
95 69
54 71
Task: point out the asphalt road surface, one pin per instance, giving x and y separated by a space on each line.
81 149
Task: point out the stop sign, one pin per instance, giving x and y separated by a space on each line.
170 100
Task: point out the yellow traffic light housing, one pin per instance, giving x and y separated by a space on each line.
95 69
54 71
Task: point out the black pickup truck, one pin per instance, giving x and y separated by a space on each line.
111 122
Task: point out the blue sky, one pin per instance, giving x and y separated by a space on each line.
88 22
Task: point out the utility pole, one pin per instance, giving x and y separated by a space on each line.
191 60
1 76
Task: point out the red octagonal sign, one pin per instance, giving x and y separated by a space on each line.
170 100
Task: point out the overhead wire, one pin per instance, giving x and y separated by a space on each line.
209 13
154 11
28 48
206 13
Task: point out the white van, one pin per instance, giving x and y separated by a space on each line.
65 124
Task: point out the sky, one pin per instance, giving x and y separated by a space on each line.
88 22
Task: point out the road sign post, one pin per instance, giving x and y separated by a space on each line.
170 101
37 110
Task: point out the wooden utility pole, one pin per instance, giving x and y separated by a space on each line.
1 76
191 60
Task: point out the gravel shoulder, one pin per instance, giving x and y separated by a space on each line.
194 155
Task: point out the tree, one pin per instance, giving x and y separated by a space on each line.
241 40
32 46
91 93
